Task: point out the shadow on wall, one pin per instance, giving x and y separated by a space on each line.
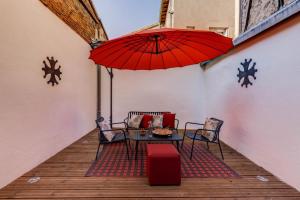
178 90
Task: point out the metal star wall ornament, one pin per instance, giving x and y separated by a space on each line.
247 72
52 71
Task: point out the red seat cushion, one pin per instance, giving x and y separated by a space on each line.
163 164
169 120
145 121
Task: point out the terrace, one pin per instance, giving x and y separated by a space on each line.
63 177
48 135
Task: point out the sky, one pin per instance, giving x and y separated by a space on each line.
120 17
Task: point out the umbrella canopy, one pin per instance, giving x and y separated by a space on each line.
161 49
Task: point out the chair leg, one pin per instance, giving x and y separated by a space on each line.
129 144
192 150
220 150
182 140
126 149
207 145
97 151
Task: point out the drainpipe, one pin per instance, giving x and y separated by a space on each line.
94 44
171 12
111 76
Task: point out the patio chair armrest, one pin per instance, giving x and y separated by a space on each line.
203 129
192 123
115 129
124 123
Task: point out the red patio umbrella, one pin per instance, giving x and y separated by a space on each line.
161 49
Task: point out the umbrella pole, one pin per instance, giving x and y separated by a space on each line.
111 96
111 75
98 91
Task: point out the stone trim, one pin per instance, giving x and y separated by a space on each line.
286 12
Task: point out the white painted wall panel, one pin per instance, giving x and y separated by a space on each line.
36 119
262 121
178 90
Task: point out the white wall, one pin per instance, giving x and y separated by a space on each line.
262 121
178 90
36 119
204 14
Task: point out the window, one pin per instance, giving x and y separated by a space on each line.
220 30
190 27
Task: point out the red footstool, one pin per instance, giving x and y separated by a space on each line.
163 164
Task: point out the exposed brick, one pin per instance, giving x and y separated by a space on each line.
79 15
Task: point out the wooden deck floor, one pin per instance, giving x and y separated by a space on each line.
62 177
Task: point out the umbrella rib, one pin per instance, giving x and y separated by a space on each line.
179 64
183 52
163 61
114 52
149 68
124 50
177 39
210 39
104 46
207 39
199 50
131 56
133 51
139 59
208 45
109 53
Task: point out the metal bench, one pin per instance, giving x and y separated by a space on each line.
133 113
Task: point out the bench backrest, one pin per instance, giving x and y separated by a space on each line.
132 113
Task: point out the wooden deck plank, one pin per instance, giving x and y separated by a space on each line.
62 177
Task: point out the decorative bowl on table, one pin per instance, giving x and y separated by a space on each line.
162 132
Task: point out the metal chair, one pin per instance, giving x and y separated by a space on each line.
196 135
121 136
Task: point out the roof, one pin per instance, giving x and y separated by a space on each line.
155 25
80 15
163 11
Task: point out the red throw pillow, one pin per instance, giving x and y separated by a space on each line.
145 121
169 120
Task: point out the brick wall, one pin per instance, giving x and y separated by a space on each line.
259 10
80 15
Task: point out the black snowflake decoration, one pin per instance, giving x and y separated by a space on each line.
52 71
247 72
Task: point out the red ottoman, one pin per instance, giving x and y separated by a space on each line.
163 164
